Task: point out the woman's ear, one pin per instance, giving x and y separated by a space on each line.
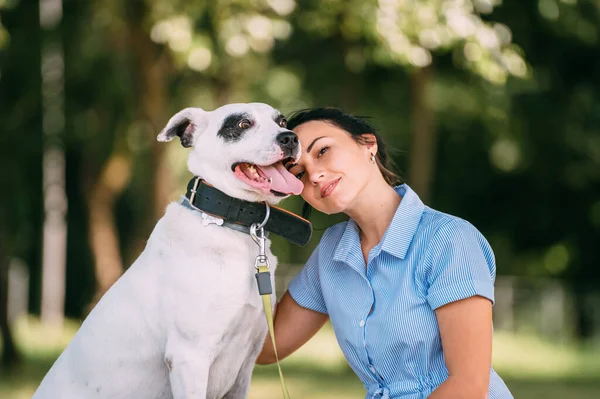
370 141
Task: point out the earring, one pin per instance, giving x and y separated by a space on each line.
372 158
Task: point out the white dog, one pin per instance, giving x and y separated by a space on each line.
186 319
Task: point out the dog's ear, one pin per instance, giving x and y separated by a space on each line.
186 124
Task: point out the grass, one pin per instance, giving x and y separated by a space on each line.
532 368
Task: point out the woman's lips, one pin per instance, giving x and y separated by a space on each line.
328 189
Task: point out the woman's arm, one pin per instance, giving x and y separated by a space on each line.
466 332
294 325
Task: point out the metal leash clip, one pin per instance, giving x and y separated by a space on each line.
263 276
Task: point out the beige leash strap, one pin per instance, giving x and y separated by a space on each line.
265 289
269 313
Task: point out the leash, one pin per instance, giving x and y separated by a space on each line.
265 289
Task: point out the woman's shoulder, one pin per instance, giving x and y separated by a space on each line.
435 223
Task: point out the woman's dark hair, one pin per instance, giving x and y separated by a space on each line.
355 126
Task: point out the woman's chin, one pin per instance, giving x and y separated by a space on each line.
329 207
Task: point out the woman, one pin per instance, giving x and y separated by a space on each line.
408 289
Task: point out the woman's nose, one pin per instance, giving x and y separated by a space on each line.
315 176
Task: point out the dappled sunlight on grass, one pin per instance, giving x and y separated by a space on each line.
318 370
313 386
531 367
40 346
526 356
35 339
324 348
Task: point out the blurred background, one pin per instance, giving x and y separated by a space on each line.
492 107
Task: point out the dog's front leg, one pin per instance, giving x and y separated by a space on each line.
188 369
240 388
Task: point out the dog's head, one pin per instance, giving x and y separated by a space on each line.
240 149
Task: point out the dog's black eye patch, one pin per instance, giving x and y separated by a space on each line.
232 130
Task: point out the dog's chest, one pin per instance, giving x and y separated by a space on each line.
211 296
242 338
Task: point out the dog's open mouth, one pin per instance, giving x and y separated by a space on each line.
271 178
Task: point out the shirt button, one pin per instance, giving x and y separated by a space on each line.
372 369
362 323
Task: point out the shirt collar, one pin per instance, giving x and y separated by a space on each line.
350 239
398 235
401 231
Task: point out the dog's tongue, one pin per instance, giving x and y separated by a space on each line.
282 180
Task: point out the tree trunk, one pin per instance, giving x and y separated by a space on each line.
423 136
54 246
583 310
155 110
152 69
10 354
104 238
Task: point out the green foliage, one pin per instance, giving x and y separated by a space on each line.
4 35
514 90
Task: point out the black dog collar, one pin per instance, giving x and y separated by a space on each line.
233 210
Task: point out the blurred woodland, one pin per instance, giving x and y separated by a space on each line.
492 107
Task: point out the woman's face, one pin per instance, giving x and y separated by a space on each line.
334 167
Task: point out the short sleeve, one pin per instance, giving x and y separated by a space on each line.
459 264
305 288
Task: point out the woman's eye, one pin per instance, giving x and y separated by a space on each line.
299 175
322 151
283 122
245 124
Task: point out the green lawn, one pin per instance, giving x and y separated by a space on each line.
530 367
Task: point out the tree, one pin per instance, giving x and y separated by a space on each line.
10 355
17 213
169 48
491 137
53 166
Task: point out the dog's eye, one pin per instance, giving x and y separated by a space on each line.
283 122
245 124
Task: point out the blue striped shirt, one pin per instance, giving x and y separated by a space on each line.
383 315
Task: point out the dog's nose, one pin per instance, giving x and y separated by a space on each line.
287 140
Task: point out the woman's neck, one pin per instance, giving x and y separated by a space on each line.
374 210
